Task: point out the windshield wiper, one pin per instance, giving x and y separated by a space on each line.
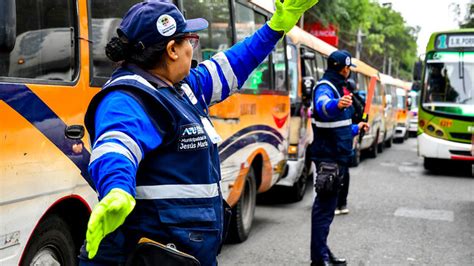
461 71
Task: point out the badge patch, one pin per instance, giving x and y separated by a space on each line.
166 25
348 61
192 137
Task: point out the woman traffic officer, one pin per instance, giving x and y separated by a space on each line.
154 159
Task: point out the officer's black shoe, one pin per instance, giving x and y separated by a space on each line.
320 263
335 260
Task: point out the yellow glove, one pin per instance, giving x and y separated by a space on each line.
107 215
287 14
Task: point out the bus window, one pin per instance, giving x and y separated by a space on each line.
362 82
279 67
308 65
105 18
45 47
292 72
378 93
247 22
320 65
217 37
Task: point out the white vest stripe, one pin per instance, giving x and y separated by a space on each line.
336 124
216 81
324 108
131 77
111 147
229 74
126 140
330 85
177 191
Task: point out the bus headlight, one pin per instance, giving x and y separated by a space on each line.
293 151
439 133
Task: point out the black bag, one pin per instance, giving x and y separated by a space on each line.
359 106
328 180
151 253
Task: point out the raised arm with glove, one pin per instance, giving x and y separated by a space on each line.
288 13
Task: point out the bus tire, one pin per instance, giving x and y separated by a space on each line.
430 164
372 152
243 212
356 156
51 242
298 190
381 145
389 142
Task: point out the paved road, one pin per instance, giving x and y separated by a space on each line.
400 215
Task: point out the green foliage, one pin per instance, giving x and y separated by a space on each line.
469 23
385 33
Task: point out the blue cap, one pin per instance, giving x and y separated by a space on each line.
156 21
339 59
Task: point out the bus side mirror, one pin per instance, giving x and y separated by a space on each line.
7 25
417 68
307 86
308 56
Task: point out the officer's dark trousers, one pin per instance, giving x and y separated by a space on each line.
322 215
342 199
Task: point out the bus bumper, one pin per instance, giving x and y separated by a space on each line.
295 169
430 147
400 132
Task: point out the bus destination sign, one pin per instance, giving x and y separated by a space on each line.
445 41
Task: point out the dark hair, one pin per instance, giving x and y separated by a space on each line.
120 50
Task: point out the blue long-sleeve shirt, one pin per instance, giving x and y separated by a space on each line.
325 104
121 123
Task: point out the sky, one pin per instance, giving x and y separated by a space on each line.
430 15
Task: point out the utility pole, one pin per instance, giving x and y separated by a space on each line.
302 21
359 43
390 66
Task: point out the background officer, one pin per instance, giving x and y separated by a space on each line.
333 135
154 159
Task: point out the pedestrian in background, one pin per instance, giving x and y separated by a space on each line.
331 150
154 161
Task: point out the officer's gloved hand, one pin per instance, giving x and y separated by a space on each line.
107 215
287 14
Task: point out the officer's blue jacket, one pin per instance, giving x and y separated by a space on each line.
156 142
332 127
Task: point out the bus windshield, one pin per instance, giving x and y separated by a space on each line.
449 83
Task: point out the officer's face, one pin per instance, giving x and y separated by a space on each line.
181 54
346 72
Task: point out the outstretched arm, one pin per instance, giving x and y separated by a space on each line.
227 71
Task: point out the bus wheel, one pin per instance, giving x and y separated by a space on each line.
381 145
298 190
51 244
389 142
356 156
431 164
373 150
243 212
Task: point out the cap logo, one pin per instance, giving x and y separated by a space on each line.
348 61
166 25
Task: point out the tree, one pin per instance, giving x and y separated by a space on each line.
469 21
386 35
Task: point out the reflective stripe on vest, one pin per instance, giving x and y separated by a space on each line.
330 85
341 123
130 77
327 82
180 191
